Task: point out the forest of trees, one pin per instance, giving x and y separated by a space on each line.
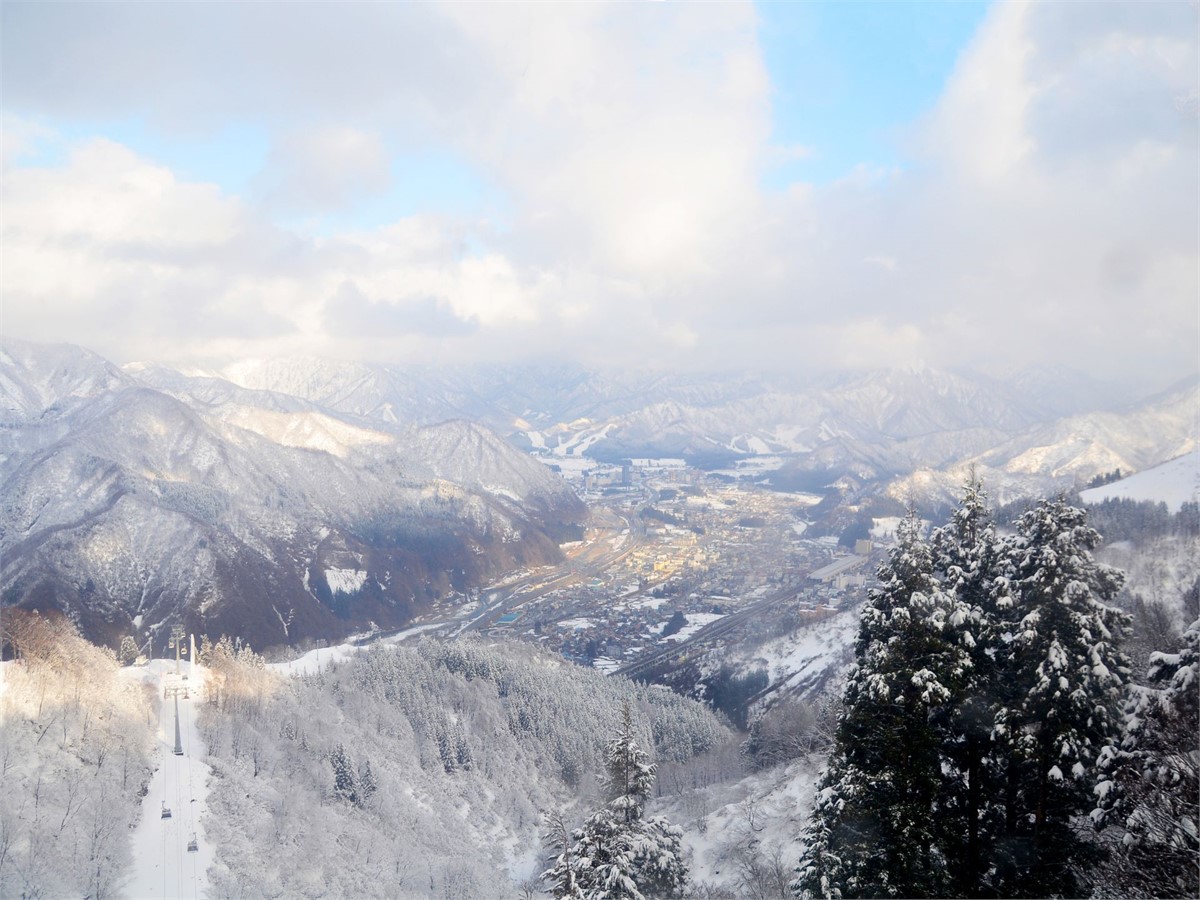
75 745
416 770
992 742
992 739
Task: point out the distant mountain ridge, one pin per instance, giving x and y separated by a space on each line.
916 428
134 499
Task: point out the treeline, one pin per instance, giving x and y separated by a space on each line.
1123 519
990 716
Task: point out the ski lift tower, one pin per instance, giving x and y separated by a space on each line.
178 739
177 634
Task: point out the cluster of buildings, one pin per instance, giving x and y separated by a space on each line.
709 548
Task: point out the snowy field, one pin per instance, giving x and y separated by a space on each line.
695 621
1172 483
759 816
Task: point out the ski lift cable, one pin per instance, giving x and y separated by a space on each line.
179 839
164 831
191 785
187 715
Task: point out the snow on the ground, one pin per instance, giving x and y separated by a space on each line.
1160 571
652 603
314 660
576 624
348 581
695 621
163 866
500 491
761 814
1173 483
884 528
606 664
803 659
407 633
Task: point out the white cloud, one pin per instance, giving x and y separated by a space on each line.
323 169
20 138
1050 212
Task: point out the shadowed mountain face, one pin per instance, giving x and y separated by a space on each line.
130 502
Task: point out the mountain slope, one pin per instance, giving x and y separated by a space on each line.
1174 483
247 512
876 424
1061 454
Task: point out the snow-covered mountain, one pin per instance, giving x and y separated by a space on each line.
131 499
876 424
1063 453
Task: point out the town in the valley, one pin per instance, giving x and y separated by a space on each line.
673 555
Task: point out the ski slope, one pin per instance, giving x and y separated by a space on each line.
1173 483
162 865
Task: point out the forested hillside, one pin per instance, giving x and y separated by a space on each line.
418 771
993 738
75 744
406 771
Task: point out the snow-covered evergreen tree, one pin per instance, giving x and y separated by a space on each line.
1065 681
618 852
969 559
871 833
345 785
561 875
986 694
367 785
1151 797
629 774
129 650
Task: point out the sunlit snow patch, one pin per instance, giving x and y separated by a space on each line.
347 581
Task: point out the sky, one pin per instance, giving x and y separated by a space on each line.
784 186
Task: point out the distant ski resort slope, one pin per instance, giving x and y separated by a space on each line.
1174 483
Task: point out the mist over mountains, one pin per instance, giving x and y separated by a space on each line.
306 498
1039 429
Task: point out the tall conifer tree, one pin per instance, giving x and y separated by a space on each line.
1151 795
871 833
1067 681
969 559
619 852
